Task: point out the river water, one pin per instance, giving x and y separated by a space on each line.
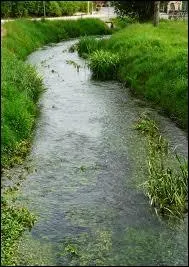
89 161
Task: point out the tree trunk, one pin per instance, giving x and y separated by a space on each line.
156 13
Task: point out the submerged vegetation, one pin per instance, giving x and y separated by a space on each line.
15 219
153 62
167 184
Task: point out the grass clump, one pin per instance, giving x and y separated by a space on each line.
14 221
104 64
167 184
87 45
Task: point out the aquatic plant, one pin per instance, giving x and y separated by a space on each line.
167 184
15 219
71 62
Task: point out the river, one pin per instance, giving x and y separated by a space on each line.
89 161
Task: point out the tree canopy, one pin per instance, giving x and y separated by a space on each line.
141 10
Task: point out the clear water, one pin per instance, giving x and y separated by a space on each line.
88 162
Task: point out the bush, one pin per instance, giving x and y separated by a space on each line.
104 65
35 8
6 9
53 9
120 23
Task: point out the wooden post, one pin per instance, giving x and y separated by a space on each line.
156 13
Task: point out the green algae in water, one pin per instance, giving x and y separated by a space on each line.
32 252
146 247
86 249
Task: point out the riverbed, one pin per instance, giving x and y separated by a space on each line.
88 164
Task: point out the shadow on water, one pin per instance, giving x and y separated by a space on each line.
88 162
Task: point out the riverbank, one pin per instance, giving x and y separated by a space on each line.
152 61
21 88
21 85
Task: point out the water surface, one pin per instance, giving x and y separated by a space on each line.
88 162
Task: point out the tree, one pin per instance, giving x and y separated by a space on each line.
156 13
141 10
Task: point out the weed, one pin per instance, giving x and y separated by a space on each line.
167 184
14 221
71 62
104 64
88 45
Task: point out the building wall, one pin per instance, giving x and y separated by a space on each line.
174 6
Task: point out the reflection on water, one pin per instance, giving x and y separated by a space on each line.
88 162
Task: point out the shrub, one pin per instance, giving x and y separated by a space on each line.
53 9
35 8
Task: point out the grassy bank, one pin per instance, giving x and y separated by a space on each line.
152 62
21 88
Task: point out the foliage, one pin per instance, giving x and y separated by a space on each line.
166 185
122 22
53 9
154 64
88 45
104 64
142 10
14 221
35 8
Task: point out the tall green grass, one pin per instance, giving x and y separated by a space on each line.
104 64
21 85
153 62
167 184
